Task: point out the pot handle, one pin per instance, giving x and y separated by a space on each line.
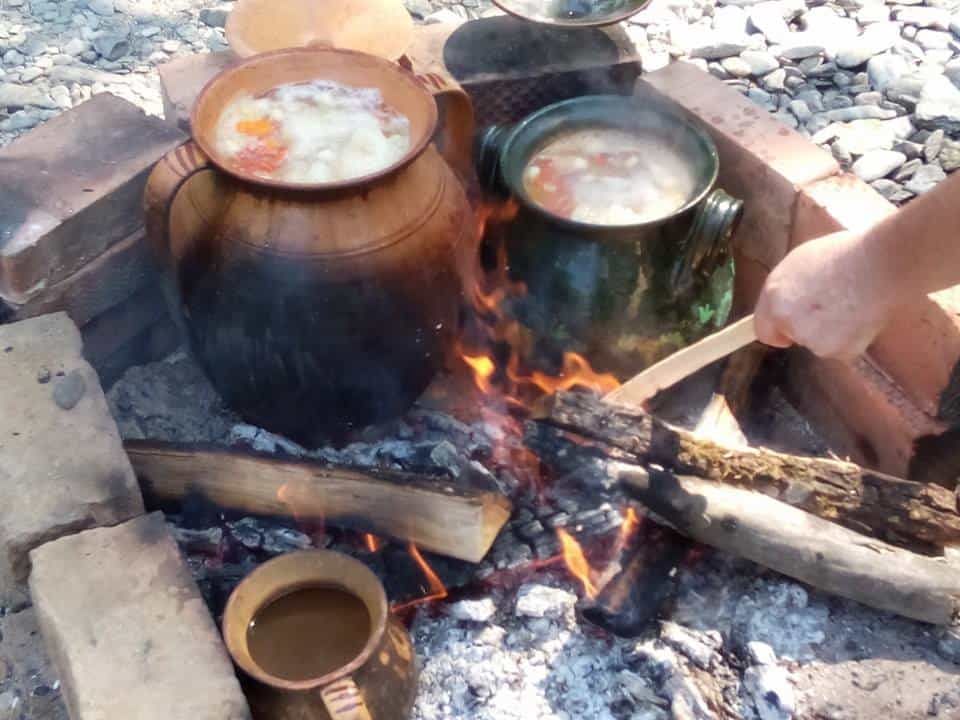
456 140
707 244
167 178
344 701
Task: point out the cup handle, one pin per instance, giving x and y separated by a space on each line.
344 701
167 178
456 140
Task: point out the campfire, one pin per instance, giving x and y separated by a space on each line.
476 430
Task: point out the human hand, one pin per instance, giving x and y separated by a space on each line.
828 295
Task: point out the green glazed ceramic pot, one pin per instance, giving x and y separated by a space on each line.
626 295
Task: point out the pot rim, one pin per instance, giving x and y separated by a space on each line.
515 184
403 75
590 22
378 623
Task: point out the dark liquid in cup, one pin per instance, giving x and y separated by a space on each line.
308 633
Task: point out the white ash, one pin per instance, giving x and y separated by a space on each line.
523 667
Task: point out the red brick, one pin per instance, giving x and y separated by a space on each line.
102 284
72 188
920 345
762 161
858 410
181 80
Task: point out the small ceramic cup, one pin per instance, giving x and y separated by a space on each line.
378 684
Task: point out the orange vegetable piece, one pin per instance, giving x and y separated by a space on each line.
257 128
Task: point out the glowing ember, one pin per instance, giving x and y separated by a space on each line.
631 523
577 563
372 542
438 590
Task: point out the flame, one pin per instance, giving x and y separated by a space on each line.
489 292
438 591
576 562
483 368
372 542
631 523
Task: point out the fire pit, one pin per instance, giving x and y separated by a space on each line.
552 554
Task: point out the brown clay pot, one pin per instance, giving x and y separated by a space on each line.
318 308
379 684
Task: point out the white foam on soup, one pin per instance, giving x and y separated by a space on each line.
606 176
312 132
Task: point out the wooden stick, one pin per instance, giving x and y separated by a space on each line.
916 515
801 546
432 513
684 363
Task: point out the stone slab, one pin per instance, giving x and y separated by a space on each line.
29 687
72 188
127 630
762 161
61 470
98 286
920 346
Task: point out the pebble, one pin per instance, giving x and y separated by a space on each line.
759 62
69 390
875 39
798 46
933 39
216 16
878 164
891 190
44 375
948 645
925 179
76 47
939 105
949 158
925 17
767 18
30 74
769 687
111 46
773 82
911 149
731 20
736 66
19 96
907 171
101 7
800 111
933 145
885 69
860 112
12 57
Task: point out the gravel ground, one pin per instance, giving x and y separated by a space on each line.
875 83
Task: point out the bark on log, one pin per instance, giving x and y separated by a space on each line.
916 515
433 513
804 547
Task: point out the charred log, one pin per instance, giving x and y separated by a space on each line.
801 546
637 595
916 515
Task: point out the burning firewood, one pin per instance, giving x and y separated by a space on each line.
915 515
636 595
431 512
800 545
